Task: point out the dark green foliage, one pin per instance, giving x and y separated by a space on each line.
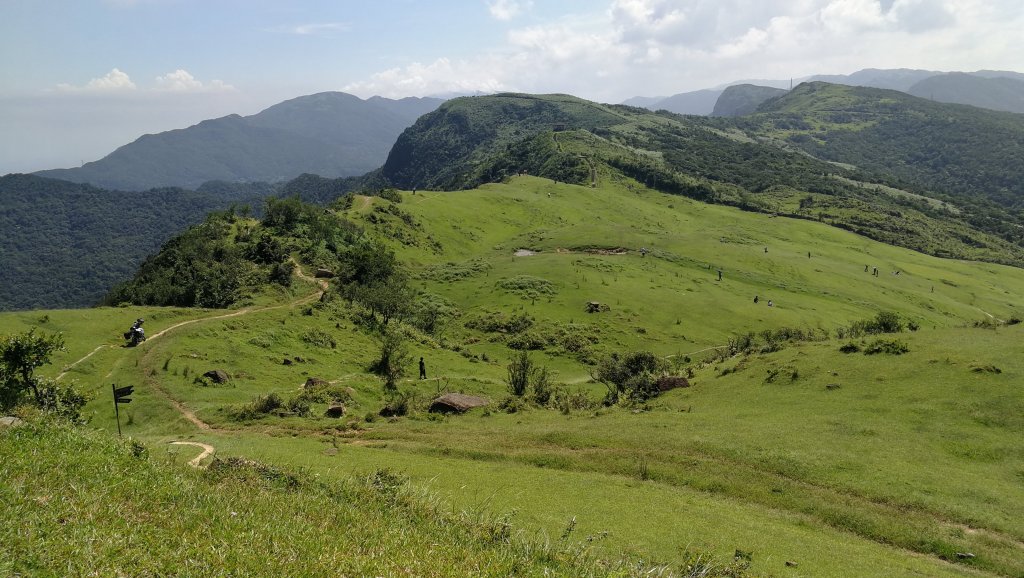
850 348
883 322
20 355
259 407
396 405
65 244
632 376
438 151
886 346
394 357
225 258
431 313
319 338
390 194
520 371
203 267
527 286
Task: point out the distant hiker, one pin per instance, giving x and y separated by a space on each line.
865 268
766 249
423 369
414 190
719 274
770 304
874 271
808 254
755 299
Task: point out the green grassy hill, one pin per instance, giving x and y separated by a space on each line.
470 141
796 451
85 503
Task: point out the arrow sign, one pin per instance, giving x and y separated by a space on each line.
121 394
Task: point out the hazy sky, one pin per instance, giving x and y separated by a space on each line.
80 77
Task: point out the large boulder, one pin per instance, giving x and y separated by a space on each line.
314 382
456 403
218 376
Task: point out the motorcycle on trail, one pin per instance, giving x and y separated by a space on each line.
136 334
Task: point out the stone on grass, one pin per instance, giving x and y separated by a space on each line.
217 376
456 403
313 382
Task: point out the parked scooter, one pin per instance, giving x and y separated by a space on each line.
136 334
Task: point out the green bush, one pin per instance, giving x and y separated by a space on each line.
319 338
886 346
633 376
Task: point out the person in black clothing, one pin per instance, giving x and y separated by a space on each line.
423 369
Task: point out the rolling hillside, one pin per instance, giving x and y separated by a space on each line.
485 139
802 457
331 134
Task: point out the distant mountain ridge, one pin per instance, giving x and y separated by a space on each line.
992 89
332 134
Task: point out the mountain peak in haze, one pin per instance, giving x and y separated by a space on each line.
333 134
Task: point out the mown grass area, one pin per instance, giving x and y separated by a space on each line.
80 502
844 463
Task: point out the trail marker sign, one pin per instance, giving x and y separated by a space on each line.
121 395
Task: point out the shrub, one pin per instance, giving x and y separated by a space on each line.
299 407
520 371
391 195
527 286
397 404
259 407
633 375
850 348
319 338
887 346
394 357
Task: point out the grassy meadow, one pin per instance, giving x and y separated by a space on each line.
808 460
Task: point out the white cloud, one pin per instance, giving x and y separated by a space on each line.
442 76
313 29
114 81
508 9
631 47
183 81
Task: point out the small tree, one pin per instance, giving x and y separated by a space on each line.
20 355
634 375
394 357
520 371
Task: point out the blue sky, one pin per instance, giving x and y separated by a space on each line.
80 77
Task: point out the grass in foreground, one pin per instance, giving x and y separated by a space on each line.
84 503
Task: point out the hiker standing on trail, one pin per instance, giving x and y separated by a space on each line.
755 299
423 369
874 271
719 274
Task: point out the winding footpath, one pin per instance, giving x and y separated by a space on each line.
184 411
196 461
